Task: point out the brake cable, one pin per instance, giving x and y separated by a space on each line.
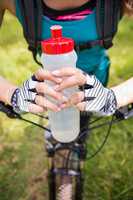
104 141
8 110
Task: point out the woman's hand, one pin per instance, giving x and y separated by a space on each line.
94 97
70 77
31 96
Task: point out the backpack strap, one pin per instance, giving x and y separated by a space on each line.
104 13
108 15
31 12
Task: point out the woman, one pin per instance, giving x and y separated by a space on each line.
94 61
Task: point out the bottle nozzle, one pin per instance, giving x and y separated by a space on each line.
56 31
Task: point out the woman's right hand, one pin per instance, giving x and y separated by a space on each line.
94 97
31 96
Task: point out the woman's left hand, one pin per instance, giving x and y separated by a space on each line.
94 97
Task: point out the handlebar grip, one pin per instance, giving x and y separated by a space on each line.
129 114
8 110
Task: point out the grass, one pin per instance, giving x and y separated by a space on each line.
109 176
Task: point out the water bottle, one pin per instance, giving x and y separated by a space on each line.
58 52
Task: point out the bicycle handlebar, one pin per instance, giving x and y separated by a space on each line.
122 114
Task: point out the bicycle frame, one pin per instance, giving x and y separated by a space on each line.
72 155
65 169
67 160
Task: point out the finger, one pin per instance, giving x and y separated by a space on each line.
73 100
43 88
42 75
67 71
76 98
43 102
67 83
65 105
33 108
81 106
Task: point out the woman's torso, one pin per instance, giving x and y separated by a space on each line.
95 60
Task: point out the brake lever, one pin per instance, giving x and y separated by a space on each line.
8 110
125 112
130 112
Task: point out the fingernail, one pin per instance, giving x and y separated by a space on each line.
56 72
59 80
56 87
63 106
65 99
58 109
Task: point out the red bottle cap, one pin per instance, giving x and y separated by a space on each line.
57 44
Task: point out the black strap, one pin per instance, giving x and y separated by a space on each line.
31 12
118 14
88 45
108 23
108 15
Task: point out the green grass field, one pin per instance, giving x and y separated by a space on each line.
109 176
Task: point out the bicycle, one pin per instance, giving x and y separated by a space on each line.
66 161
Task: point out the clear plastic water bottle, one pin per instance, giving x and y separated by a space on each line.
58 52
